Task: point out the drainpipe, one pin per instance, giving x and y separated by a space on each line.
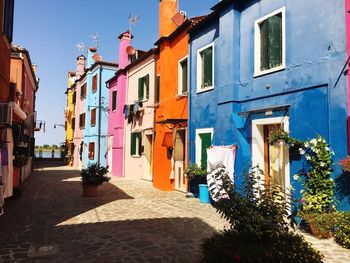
154 111
99 117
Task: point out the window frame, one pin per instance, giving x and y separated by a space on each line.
157 90
83 94
94 83
198 142
114 101
73 123
199 68
138 144
91 154
82 117
180 91
145 88
257 46
93 121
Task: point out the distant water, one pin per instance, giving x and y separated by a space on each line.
44 154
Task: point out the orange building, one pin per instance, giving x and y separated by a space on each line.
170 146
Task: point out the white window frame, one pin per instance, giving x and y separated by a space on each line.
258 143
199 69
257 46
199 142
137 145
180 76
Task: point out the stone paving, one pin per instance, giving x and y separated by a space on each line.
129 221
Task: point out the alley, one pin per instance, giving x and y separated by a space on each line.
129 221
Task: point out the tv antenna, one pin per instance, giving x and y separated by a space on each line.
133 20
80 46
95 38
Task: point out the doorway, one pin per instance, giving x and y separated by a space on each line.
147 167
179 158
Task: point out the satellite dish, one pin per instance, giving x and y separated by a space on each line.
130 50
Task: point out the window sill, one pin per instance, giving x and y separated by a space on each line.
269 71
185 94
136 156
204 89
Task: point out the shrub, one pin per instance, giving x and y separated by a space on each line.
260 222
230 246
345 164
322 225
94 174
342 233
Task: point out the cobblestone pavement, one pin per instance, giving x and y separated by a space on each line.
129 221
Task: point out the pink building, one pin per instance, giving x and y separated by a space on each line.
138 146
78 99
117 95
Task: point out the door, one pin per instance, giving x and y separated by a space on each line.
274 158
110 153
179 158
147 162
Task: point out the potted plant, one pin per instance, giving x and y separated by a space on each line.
195 176
281 136
93 176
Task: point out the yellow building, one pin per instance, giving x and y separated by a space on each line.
69 115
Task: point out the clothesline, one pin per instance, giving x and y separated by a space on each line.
224 146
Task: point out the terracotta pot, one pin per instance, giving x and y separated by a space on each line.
89 190
317 233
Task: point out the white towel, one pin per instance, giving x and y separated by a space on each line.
221 155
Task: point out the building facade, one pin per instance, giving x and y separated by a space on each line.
139 122
95 115
117 96
70 120
258 66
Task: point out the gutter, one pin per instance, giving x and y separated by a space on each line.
99 118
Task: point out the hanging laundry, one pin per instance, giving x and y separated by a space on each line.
126 111
224 155
215 182
136 106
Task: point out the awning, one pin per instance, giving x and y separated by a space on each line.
168 140
172 123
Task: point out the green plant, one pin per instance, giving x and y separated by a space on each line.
342 233
281 135
94 174
322 224
229 246
260 221
194 172
318 187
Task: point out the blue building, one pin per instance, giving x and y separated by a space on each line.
261 65
96 108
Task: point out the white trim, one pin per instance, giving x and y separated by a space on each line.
257 58
199 70
198 142
258 143
180 76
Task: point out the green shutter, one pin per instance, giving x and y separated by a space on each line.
275 40
157 91
264 61
146 79
184 68
139 135
141 89
206 142
133 144
208 67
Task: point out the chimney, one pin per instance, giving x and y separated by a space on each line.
90 58
125 42
80 66
167 10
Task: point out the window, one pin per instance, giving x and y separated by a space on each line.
74 99
157 91
73 123
183 76
83 91
143 87
205 68
94 83
114 100
93 117
82 121
136 143
203 141
91 150
270 43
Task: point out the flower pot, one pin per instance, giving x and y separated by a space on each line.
204 193
317 233
89 190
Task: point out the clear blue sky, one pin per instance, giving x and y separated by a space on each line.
50 30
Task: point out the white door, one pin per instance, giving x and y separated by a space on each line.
110 153
147 158
179 158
